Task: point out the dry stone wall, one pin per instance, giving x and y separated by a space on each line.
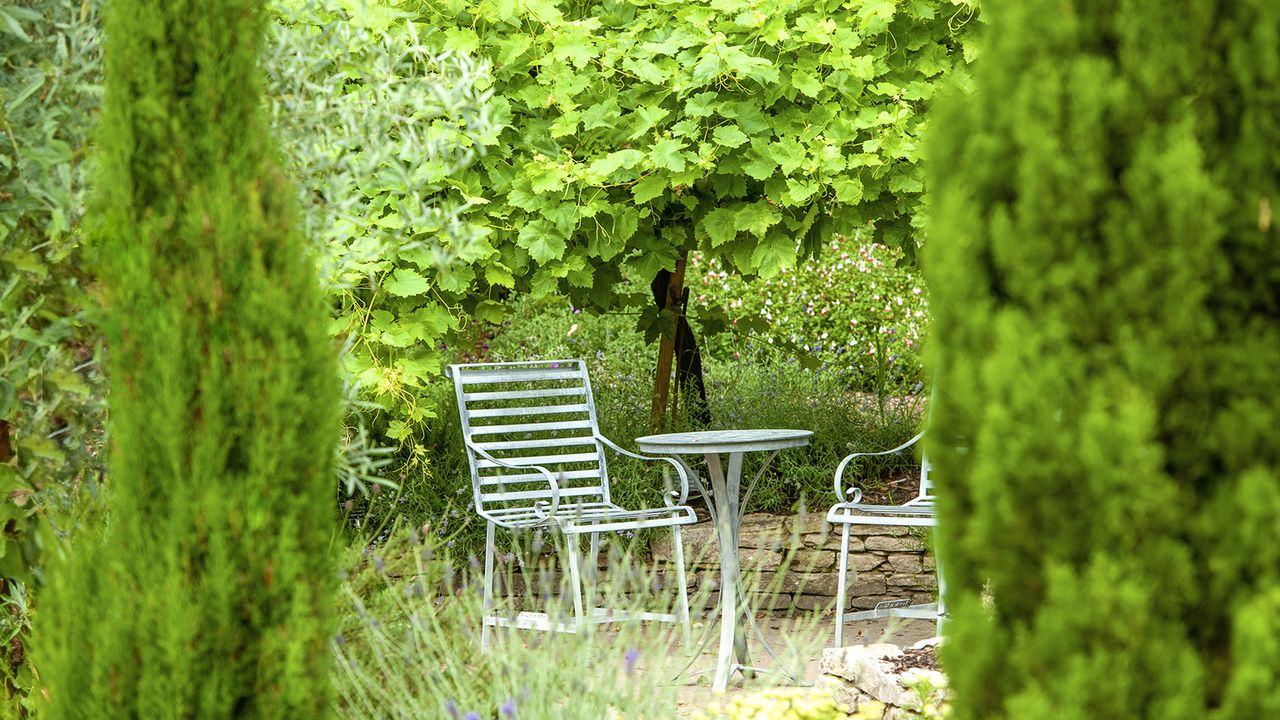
796 559
792 560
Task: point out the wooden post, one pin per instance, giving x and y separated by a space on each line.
666 350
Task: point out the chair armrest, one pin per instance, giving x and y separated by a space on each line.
538 507
671 498
841 493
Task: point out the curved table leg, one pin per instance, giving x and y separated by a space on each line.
733 641
726 508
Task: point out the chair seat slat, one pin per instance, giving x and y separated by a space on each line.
545 443
567 507
532 410
532 427
917 506
584 511
524 394
538 477
541 460
544 493
475 377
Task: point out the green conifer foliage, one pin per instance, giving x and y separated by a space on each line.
208 595
1105 274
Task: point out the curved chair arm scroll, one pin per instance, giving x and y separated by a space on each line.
540 507
856 493
671 498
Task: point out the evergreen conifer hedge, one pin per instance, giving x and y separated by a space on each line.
1104 263
209 593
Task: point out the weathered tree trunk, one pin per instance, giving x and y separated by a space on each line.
680 349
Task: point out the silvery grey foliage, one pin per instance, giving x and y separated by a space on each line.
373 123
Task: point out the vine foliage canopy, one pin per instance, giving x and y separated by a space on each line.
637 129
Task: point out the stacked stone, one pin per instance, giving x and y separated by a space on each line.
796 560
876 683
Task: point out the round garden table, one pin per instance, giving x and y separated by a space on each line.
726 504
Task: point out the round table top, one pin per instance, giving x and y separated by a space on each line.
720 441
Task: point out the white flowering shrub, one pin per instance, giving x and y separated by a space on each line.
855 309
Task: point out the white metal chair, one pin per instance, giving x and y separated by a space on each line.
850 511
537 460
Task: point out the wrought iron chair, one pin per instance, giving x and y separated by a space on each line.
850 511
537 460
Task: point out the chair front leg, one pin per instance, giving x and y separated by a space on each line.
841 584
575 578
592 576
682 599
489 550
942 587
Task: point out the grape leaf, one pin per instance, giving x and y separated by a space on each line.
406 282
729 136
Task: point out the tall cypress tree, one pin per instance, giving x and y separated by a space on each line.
1104 265
208 594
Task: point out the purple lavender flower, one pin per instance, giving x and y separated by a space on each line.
473 715
452 708
629 660
508 708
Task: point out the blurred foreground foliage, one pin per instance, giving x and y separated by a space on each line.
1107 335
209 592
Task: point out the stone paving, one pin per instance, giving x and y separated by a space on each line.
798 640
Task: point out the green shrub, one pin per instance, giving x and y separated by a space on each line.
854 309
551 327
1107 329
208 594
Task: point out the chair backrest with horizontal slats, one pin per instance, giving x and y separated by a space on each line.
530 413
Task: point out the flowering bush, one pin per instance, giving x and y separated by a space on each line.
855 309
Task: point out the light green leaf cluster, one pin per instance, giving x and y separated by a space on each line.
786 703
635 129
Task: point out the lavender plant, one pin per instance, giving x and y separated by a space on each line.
409 648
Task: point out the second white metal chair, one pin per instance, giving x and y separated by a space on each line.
537 460
850 511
